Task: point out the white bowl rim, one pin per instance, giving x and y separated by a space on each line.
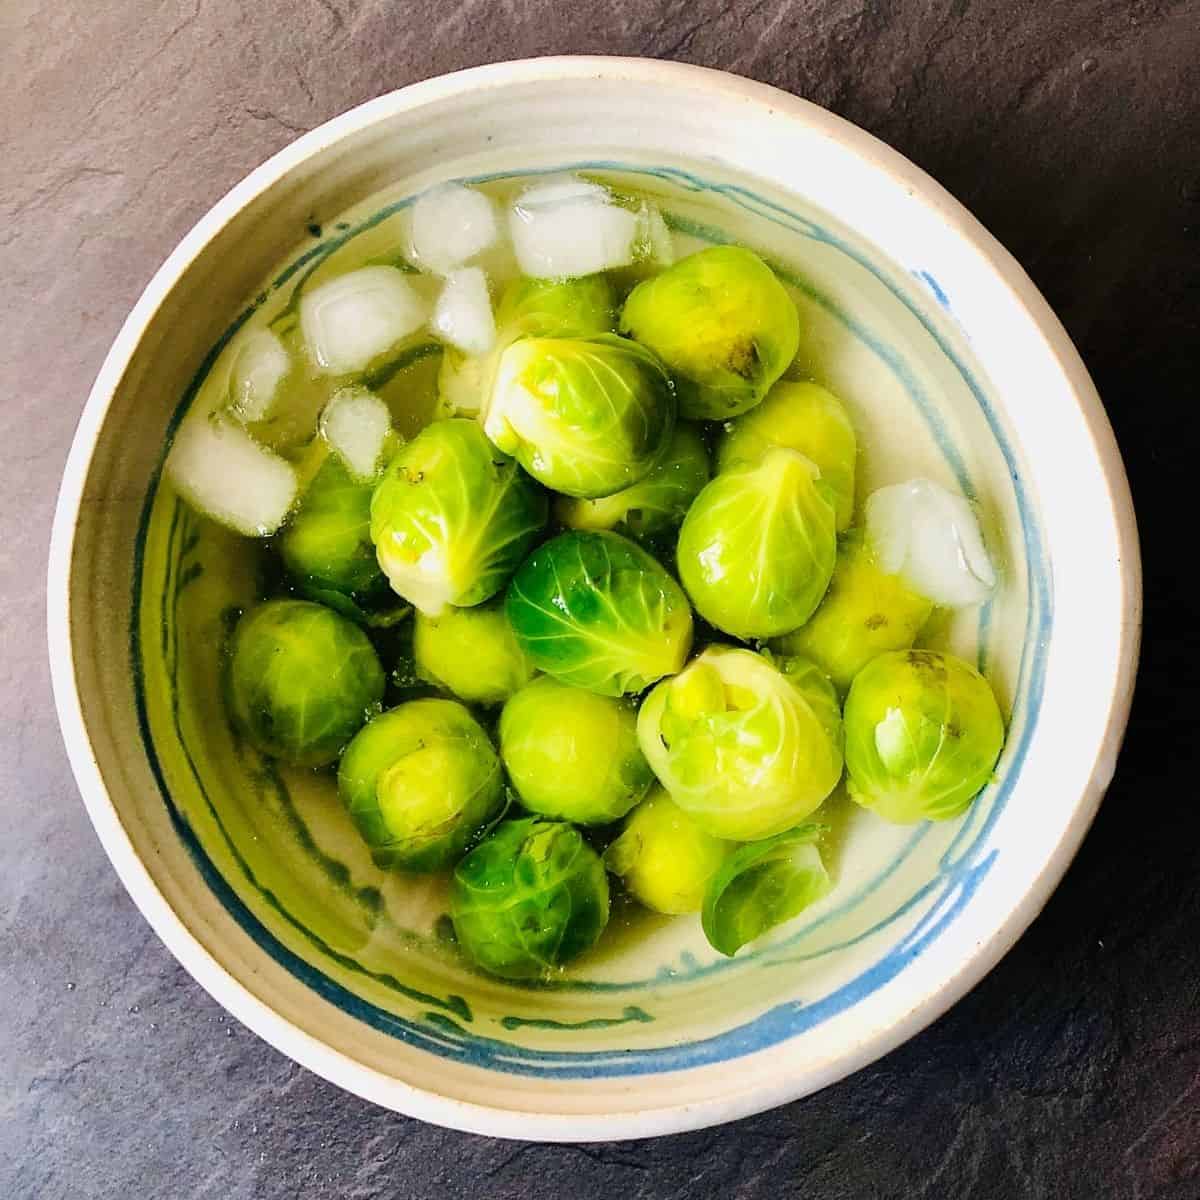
309 1051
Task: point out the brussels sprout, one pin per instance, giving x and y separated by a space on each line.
758 546
923 732
665 859
572 754
326 547
654 507
471 652
420 782
747 747
529 898
803 417
865 612
302 680
597 612
584 416
723 324
761 886
452 518
557 308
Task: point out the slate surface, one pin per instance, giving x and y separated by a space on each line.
1072 129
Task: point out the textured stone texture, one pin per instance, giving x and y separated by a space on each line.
1071 128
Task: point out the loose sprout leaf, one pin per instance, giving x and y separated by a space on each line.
923 733
221 471
572 754
452 518
261 364
654 245
664 858
358 317
356 424
653 508
758 546
450 225
565 227
528 899
865 612
584 416
462 314
722 323
931 537
762 885
597 612
302 680
462 384
802 417
747 747
420 782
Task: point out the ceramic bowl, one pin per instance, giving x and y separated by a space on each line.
953 366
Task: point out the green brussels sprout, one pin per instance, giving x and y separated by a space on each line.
654 507
451 518
745 746
326 547
664 858
597 612
471 652
529 898
556 308
758 546
803 417
572 754
923 732
763 885
585 416
723 324
302 680
865 612
421 782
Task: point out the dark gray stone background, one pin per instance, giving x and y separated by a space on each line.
1073 130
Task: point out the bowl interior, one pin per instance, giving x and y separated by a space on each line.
281 854
254 875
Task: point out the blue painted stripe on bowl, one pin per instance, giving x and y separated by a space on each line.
959 879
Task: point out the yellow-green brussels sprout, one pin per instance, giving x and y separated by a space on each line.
421 782
723 324
757 547
747 747
302 680
653 508
597 612
763 885
584 416
529 898
803 417
471 652
326 547
452 517
557 308
923 732
865 612
664 858
572 754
